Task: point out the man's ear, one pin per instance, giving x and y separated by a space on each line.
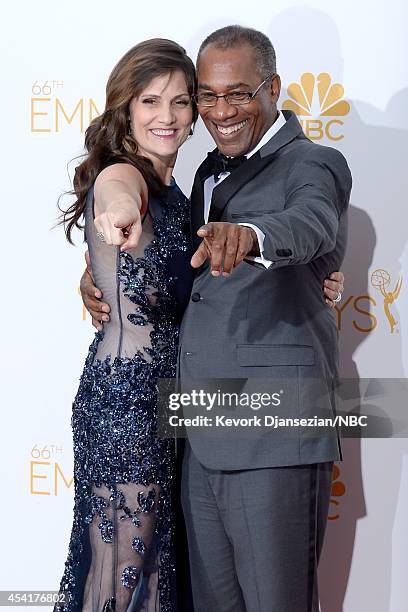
275 88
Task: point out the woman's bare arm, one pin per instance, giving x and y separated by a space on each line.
120 194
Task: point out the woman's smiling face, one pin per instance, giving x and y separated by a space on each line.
161 116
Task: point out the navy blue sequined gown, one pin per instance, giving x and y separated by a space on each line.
121 551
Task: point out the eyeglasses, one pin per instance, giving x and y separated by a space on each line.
235 98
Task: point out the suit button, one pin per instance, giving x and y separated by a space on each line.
283 252
196 297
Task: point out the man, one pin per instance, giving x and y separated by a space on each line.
256 512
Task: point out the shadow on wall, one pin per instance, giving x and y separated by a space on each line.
375 154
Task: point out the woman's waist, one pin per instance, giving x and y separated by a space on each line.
138 326
122 338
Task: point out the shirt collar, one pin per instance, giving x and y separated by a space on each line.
275 127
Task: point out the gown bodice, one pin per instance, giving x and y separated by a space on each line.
147 287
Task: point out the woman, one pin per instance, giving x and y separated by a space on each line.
121 548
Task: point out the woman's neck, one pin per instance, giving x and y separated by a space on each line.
164 166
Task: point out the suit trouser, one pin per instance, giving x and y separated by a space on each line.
255 536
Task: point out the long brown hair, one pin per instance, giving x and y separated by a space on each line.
107 139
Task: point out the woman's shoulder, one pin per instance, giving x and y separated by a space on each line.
121 171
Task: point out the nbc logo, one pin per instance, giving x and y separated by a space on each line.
318 97
337 490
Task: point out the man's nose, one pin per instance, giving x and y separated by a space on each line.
223 110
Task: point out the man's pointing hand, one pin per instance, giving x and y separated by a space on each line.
226 245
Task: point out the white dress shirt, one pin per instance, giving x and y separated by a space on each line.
211 183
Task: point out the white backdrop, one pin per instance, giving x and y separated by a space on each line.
56 58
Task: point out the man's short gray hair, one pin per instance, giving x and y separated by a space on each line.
235 36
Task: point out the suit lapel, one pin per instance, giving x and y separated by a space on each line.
241 176
222 194
197 201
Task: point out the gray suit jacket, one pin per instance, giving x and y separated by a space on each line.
272 323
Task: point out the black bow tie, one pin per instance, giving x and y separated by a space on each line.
220 163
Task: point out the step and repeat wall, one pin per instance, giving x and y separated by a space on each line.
344 73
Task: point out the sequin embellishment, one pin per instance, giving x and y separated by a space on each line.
123 473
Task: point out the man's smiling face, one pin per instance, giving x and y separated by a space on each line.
236 129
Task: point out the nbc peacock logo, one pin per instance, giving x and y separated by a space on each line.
318 102
338 489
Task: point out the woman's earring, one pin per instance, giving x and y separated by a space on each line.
129 127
